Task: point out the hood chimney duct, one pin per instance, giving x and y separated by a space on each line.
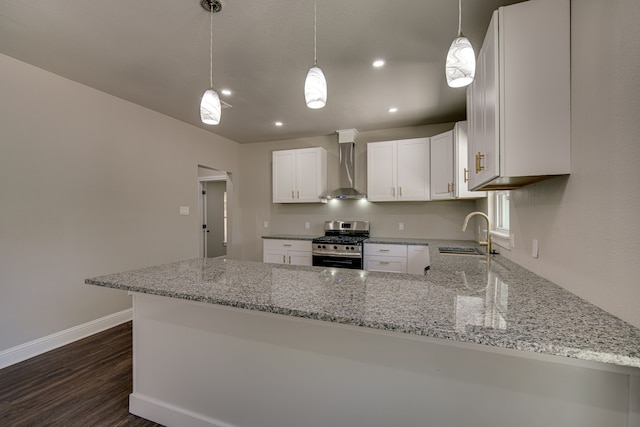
347 172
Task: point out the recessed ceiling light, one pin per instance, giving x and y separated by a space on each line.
226 92
392 109
378 63
278 123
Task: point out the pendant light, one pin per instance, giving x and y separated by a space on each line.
210 108
461 59
315 85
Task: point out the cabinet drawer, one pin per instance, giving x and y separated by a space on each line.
289 245
385 250
388 264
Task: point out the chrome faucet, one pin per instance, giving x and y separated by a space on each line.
488 242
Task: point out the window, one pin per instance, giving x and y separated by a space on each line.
499 212
502 211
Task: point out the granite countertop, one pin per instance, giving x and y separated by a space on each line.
462 298
397 241
289 237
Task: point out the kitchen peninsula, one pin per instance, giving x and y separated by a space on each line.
473 342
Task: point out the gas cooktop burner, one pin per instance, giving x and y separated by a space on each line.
342 240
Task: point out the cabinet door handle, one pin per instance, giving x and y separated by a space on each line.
289 259
400 191
479 159
284 259
466 175
393 191
448 187
298 194
292 196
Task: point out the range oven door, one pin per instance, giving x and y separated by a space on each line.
337 262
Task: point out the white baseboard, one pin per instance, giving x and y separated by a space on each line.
38 346
167 414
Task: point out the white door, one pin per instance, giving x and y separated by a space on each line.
284 171
381 171
413 169
308 174
442 176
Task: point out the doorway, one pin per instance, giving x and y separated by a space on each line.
214 212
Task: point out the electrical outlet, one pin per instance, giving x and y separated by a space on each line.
266 224
184 210
306 225
401 226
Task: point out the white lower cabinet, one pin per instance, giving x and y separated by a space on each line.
395 258
293 252
417 259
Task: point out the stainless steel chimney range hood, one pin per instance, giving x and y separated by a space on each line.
346 174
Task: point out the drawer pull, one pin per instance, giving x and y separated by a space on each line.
286 244
384 250
384 262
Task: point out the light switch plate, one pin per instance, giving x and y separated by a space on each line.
306 225
401 226
266 224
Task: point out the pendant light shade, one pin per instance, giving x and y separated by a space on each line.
210 108
461 63
315 85
461 59
315 88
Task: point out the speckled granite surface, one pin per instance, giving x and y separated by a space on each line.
397 241
462 298
289 237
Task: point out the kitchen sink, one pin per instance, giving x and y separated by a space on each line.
456 250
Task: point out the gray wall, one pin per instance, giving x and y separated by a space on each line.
587 224
89 185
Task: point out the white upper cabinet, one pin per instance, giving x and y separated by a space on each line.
442 174
299 176
398 170
449 172
518 106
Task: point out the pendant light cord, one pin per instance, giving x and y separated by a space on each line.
459 18
315 30
211 44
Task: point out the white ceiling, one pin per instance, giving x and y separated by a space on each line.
155 53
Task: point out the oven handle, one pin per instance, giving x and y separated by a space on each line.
336 255
333 261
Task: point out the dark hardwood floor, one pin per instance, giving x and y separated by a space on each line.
86 383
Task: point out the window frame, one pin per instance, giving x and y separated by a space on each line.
499 235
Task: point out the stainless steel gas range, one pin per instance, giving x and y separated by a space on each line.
341 245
